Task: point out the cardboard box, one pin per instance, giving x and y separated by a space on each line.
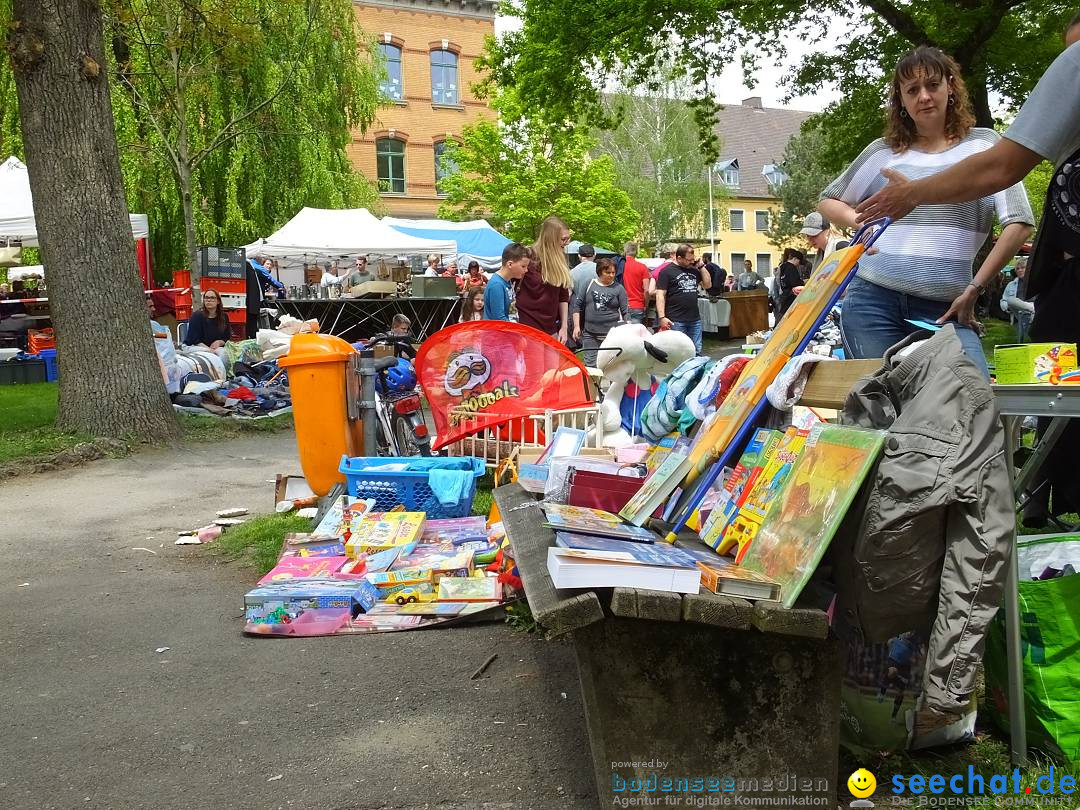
529 455
433 287
1027 363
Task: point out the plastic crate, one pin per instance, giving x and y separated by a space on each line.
409 487
49 356
15 372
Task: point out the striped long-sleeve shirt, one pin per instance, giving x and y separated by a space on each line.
930 252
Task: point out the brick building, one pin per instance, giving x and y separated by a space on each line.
430 48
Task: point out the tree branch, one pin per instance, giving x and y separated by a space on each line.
227 133
901 21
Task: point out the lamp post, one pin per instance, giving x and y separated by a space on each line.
712 225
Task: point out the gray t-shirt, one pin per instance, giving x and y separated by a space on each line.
1049 121
580 277
601 307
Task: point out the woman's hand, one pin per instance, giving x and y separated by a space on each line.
577 333
963 307
217 344
562 334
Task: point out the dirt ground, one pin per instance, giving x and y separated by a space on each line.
92 586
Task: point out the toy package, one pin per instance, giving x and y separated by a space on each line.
289 568
470 589
295 596
735 487
441 562
380 531
390 582
454 530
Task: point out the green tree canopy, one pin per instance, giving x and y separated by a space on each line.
244 108
806 175
566 51
515 172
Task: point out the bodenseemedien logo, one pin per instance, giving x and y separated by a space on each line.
861 785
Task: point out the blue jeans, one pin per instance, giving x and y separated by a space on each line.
873 319
637 316
692 329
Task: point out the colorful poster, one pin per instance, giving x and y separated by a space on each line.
482 374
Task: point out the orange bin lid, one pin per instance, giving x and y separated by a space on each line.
310 347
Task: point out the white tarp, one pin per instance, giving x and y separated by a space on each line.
318 235
323 233
17 207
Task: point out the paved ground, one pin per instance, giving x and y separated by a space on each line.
94 717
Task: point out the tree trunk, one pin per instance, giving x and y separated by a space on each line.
110 382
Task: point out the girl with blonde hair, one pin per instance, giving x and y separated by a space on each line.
543 298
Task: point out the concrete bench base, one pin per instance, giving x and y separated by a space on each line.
745 713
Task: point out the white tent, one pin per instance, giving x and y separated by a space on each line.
17 207
317 234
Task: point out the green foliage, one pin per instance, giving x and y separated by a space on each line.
518 171
258 541
807 175
659 163
255 100
1036 183
566 51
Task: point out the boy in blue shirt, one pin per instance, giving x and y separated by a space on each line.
498 294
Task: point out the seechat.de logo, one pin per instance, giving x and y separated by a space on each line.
861 785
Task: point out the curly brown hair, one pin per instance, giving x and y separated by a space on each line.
900 131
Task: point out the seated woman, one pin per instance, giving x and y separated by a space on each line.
208 325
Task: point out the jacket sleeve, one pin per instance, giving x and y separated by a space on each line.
981 527
195 332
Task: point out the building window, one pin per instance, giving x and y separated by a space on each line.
728 171
735 220
391 84
444 77
761 220
764 264
774 175
444 167
737 260
390 165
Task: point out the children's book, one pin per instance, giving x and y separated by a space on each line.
582 568
712 533
765 489
380 561
382 530
433 608
470 589
326 548
583 520
801 522
724 577
619 550
392 581
334 524
443 563
454 530
289 568
656 488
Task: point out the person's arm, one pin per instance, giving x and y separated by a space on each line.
838 212
194 334
624 305
579 313
979 175
661 308
1011 238
564 312
646 289
705 277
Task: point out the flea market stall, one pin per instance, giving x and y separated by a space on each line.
316 236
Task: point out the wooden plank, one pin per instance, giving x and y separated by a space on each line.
719 611
770 617
639 603
559 611
830 382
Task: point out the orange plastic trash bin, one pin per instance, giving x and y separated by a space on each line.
317 366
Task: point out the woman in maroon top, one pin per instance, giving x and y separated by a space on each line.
543 297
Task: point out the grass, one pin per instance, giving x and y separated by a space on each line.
258 541
28 416
997 333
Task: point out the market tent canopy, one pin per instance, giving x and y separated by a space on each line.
17 207
475 239
572 249
327 233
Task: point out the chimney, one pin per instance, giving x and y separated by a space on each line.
754 103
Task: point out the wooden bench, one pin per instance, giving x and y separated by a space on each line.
715 688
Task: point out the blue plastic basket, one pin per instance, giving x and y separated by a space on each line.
49 356
409 487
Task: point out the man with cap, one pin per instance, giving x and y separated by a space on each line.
821 237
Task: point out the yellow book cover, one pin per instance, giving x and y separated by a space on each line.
765 490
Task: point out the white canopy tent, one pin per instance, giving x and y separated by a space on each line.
321 234
17 207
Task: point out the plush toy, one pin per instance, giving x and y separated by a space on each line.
631 353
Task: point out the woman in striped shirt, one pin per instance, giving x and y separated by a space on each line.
923 266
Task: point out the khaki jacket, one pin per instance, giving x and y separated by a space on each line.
928 550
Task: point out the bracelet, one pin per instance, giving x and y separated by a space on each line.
980 287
